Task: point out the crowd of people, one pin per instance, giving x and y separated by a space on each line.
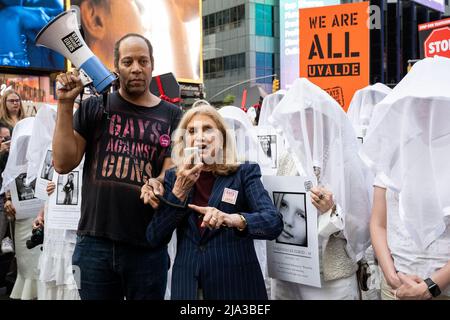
157 223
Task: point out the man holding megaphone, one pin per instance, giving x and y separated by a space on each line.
125 138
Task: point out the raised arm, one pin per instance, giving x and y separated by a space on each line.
68 145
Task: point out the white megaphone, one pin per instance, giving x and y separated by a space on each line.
63 36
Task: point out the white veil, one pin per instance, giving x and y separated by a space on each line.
17 161
42 136
251 114
248 147
408 146
269 103
362 106
319 134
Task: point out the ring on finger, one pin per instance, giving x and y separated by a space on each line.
321 196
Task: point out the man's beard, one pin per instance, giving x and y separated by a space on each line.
135 91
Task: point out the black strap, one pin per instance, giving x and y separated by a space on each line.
171 204
81 96
105 105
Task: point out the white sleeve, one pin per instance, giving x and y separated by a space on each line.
378 182
329 224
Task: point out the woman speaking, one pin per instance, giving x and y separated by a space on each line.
218 207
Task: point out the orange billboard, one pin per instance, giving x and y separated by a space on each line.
334 48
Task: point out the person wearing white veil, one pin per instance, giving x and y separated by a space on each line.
362 105
249 149
247 144
268 105
322 147
27 281
407 146
41 137
55 262
360 113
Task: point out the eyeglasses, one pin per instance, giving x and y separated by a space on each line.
13 100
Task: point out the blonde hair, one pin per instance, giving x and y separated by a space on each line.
5 117
229 162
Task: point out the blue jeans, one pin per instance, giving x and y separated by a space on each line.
109 270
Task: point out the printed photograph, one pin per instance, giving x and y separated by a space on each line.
25 191
292 207
47 168
269 146
67 189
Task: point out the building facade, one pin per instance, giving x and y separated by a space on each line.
241 42
240 46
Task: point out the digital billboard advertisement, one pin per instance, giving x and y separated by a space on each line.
35 91
173 27
289 42
21 20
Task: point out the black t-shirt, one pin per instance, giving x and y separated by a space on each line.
124 146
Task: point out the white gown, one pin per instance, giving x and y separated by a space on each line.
26 285
55 265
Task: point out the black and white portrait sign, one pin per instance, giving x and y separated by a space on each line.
269 146
23 198
294 255
272 145
65 202
45 175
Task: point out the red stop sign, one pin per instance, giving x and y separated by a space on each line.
438 43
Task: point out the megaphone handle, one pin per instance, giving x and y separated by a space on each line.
59 85
84 77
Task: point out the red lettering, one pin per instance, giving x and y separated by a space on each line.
142 128
137 171
129 129
115 125
108 165
122 166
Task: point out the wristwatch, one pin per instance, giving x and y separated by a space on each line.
432 287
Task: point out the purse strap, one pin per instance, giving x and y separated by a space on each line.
11 233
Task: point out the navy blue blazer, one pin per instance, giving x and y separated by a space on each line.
222 261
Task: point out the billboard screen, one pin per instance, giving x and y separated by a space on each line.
173 27
335 49
289 49
21 21
438 5
35 91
